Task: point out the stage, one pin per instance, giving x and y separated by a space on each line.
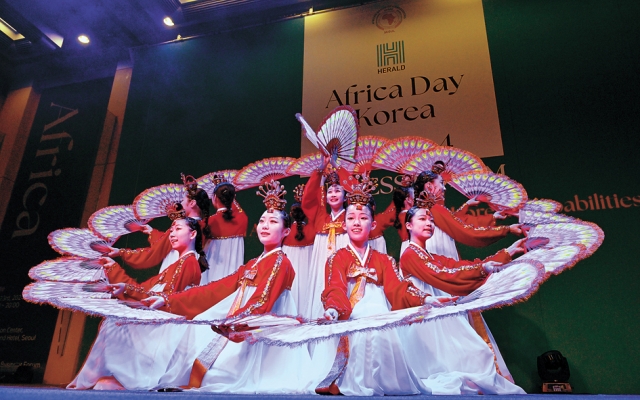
40 392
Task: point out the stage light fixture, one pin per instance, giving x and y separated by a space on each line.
553 369
168 21
84 39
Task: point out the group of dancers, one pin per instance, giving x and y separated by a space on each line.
331 264
325 261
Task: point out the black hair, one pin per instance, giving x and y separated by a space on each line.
400 194
422 179
371 205
194 224
226 193
298 215
407 218
204 203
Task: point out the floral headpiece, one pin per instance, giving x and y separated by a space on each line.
217 180
297 193
360 193
425 200
273 194
190 185
332 179
407 180
175 211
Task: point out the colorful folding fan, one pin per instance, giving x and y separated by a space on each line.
306 165
259 172
499 191
112 222
209 181
68 269
367 148
152 203
397 152
337 135
456 161
77 242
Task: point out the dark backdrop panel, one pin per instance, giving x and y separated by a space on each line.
49 194
566 83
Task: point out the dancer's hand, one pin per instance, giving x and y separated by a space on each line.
473 202
491 267
517 247
499 215
105 250
230 331
516 229
116 289
440 301
154 302
331 314
135 226
107 263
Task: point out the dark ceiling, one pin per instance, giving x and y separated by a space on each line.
49 52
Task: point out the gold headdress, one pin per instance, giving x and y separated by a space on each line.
273 194
297 193
332 179
425 200
175 211
218 179
438 167
360 193
190 185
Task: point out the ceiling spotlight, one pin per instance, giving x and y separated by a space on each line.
168 21
84 39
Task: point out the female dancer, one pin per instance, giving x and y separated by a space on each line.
228 227
363 282
298 246
206 360
449 228
403 201
454 360
106 364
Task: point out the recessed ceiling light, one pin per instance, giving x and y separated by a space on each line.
84 39
168 21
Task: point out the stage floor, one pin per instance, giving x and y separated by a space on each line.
32 392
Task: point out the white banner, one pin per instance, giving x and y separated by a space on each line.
417 67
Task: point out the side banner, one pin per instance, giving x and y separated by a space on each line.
49 194
418 67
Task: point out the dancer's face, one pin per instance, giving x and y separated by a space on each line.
188 205
271 230
436 187
359 223
335 196
181 234
421 225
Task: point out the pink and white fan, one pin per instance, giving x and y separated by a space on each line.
77 242
337 135
152 203
515 283
306 165
44 291
570 233
532 217
457 162
367 148
259 172
111 222
545 205
68 269
207 184
557 259
499 191
397 152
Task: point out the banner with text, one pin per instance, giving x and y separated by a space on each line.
408 68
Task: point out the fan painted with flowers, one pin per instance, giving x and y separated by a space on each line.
111 222
208 182
259 172
397 152
153 202
77 242
499 191
306 165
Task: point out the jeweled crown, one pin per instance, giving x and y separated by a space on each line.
425 200
175 211
407 180
439 167
360 192
218 179
332 179
273 194
297 193
190 185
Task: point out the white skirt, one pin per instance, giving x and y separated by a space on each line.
444 245
379 244
225 256
449 357
312 285
300 258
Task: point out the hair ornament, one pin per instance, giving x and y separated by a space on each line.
273 194
425 200
190 185
175 211
439 167
218 179
407 180
297 193
360 193
332 178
